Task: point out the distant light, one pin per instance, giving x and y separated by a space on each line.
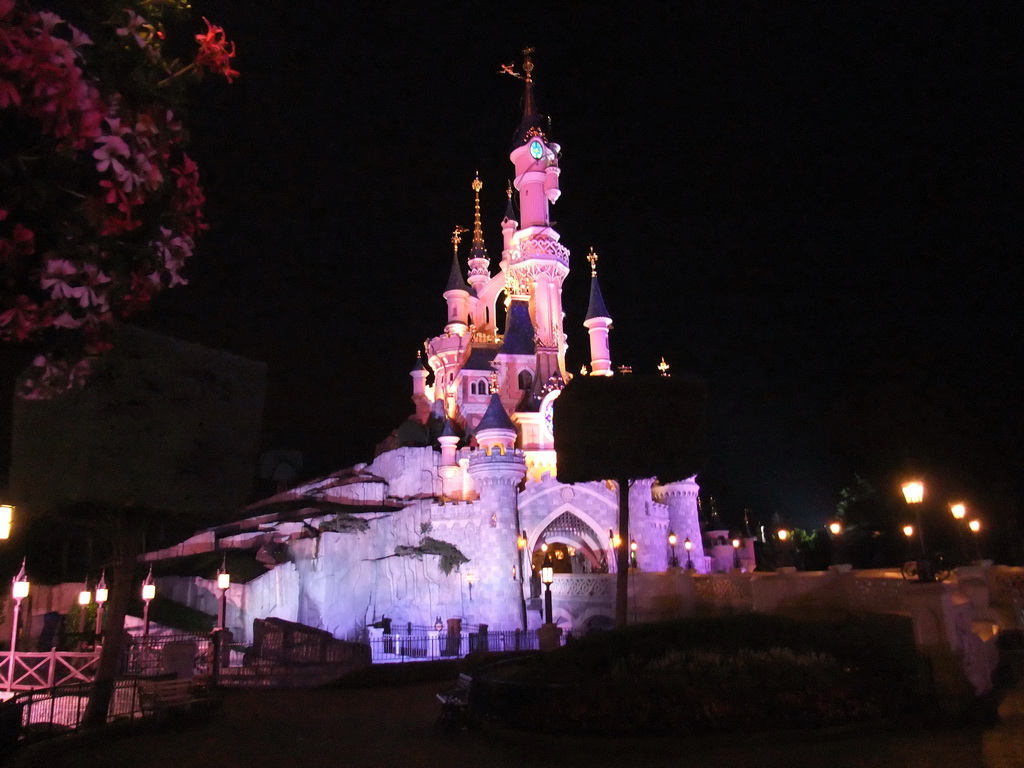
908 531
633 545
148 591
783 534
688 545
974 525
102 593
6 519
544 547
672 539
835 528
735 543
913 492
959 510
223 580
84 597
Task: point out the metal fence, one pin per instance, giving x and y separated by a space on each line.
433 645
147 656
47 712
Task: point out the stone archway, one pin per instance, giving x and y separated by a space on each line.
575 539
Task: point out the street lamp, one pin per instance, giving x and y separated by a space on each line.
19 591
84 598
783 534
223 583
148 593
102 593
836 529
6 520
632 553
688 545
736 554
673 560
975 526
547 576
959 511
913 492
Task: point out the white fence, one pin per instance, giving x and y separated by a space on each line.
26 671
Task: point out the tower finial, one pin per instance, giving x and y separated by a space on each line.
663 367
457 238
592 258
529 108
478 232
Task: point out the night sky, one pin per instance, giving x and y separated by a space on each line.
814 209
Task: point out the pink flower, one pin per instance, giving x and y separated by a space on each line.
215 52
21 320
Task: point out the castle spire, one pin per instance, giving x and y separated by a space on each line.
597 322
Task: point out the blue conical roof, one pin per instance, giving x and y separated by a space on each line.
519 332
495 417
456 282
596 307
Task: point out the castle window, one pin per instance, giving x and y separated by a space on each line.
525 380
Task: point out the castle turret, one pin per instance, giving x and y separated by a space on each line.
598 323
497 469
457 292
421 396
684 517
536 262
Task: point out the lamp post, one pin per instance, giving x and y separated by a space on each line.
688 545
19 591
836 529
632 553
102 593
736 554
673 561
975 526
84 598
223 583
913 492
6 520
959 512
547 576
148 593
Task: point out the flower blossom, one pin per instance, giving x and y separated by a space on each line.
55 277
215 52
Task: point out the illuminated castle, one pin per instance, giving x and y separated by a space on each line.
473 471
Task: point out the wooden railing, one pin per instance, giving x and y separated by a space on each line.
29 670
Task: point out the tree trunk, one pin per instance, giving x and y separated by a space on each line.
622 558
114 636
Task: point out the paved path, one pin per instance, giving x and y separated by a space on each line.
395 727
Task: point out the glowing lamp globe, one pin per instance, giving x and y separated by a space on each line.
148 591
959 510
783 534
223 580
20 589
974 525
672 539
835 528
913 492
908 531
84 597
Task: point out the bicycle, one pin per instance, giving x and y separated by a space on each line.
928 567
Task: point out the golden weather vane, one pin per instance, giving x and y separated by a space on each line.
663 367
592 258
457 237
510 69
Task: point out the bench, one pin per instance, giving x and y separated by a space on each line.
177 695
455 704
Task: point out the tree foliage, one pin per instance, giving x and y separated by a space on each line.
100 206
